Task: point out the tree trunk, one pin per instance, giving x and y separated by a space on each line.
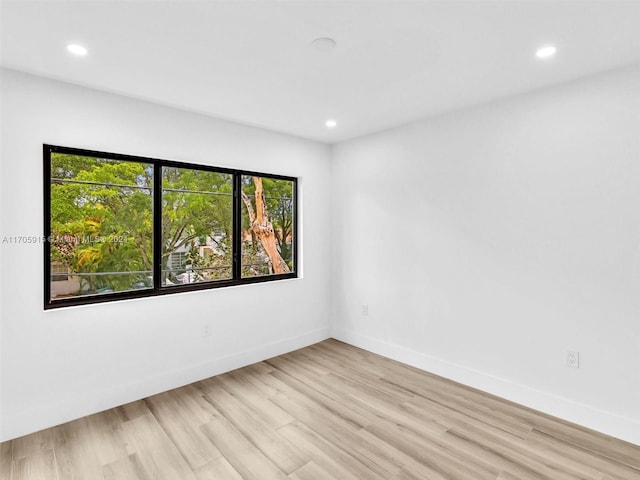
262 227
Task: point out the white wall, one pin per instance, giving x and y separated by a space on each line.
62 364
487 243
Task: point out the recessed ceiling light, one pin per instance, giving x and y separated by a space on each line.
546 52
324 44
331 123
77 49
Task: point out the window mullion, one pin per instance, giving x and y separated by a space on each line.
237 226
157 226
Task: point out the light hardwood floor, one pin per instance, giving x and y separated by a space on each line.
329 411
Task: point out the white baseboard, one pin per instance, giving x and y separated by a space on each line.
626 429
46 416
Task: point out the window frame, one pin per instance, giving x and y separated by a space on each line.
158 288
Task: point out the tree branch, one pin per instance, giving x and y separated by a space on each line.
247 202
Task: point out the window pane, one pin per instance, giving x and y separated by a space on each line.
197 219
59 272
101 232
267 226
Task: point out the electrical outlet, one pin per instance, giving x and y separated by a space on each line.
206 330
573 359
365 310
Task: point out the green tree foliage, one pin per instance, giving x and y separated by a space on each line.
279 197
101 219
198 212
102 214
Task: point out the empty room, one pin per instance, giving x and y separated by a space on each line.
315 240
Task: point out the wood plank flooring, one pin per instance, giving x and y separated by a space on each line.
328 411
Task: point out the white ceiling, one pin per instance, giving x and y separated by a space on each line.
252 62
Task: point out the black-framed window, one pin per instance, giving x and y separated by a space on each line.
121 226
